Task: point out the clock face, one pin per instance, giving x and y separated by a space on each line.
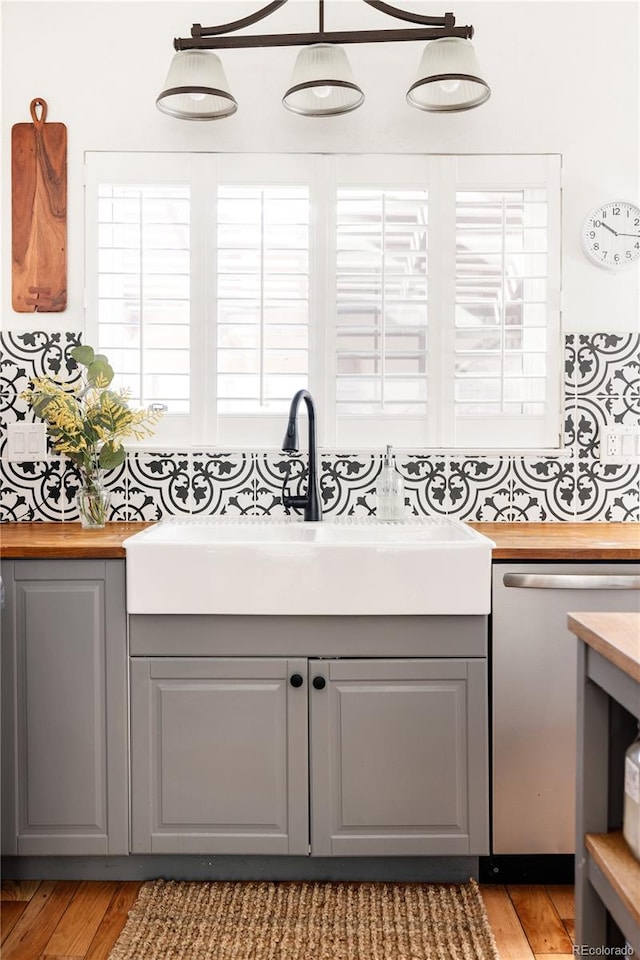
611 234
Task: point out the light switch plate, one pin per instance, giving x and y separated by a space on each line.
620 445
26 441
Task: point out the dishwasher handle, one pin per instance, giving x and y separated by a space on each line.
572 581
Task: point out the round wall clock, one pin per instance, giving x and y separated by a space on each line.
611 234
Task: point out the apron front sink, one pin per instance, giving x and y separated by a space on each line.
275 567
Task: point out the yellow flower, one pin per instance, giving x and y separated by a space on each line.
88 422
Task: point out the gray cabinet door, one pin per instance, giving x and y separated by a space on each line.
399 757
64 708
219 756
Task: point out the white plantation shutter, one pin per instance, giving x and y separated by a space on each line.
416 297
381 304
501 274
144 290
506 325
262 319
145 231
263 297
381 295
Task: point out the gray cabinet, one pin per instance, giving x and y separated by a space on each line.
399 757
219 756
393 760
64 708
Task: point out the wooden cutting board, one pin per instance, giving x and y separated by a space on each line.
39 213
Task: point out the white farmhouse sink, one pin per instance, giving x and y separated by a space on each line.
246 566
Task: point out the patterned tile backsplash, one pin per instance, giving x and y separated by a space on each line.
602 387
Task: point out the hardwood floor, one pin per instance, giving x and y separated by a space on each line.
531 921
81 920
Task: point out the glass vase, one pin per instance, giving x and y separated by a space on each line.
93 506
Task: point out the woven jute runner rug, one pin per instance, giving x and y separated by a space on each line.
174 920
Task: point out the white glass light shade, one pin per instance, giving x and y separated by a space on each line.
196 87
448 77
322 84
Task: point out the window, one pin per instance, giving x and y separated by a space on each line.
417 297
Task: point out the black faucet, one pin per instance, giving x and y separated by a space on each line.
311 500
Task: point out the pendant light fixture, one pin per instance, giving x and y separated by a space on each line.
322 84
448 78
196 88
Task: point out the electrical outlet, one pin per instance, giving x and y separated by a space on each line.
26 441
620 445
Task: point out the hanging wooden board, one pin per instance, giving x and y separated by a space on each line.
39 213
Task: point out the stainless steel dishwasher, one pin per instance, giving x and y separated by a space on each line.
534 694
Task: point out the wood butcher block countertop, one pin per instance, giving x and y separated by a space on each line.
514 541
65 540
563 541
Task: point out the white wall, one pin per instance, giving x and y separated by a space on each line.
564 78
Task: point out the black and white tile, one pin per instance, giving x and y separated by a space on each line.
477 488
158 485
41 353
607 491
607 364
273 474
425 484
589 422
542 488
33 490
607 394
348 482
222 483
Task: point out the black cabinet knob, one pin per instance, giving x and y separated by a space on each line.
319 683
296 680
